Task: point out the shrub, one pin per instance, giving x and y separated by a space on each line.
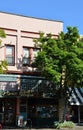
65 124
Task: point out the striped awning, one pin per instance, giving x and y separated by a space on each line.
76 97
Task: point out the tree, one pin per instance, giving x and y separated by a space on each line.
3 64
61 61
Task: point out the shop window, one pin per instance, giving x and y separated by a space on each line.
47 111
43 111
10 54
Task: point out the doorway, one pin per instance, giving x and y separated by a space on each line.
9 111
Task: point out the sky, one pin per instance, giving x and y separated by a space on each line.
70 12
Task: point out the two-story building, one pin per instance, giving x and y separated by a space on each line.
22 90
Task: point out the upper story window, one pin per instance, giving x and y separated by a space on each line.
26 56
29 55
10 54
35 52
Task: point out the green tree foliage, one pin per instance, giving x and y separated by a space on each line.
3 64
61 60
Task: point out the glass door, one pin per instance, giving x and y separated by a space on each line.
23 109
9 111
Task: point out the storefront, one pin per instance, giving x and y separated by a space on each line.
8 84
28 97
31 97
41 111
40 107
76 104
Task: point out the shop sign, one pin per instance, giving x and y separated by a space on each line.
8 86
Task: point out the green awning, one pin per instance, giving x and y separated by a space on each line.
8 77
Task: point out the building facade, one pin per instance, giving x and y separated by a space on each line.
23 93
22 90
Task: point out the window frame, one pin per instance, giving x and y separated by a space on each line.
12 56
31 55
28 59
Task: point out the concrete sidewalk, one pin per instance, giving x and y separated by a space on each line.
75 128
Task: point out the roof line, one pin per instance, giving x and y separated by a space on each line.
30 17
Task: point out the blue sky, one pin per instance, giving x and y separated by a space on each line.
68 11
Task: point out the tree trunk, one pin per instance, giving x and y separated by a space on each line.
62 109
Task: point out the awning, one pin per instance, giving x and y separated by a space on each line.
76 97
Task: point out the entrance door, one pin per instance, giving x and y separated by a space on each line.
1 111
23 108
9 111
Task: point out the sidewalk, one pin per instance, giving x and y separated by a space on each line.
76 128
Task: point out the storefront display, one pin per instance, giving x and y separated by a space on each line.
43 112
